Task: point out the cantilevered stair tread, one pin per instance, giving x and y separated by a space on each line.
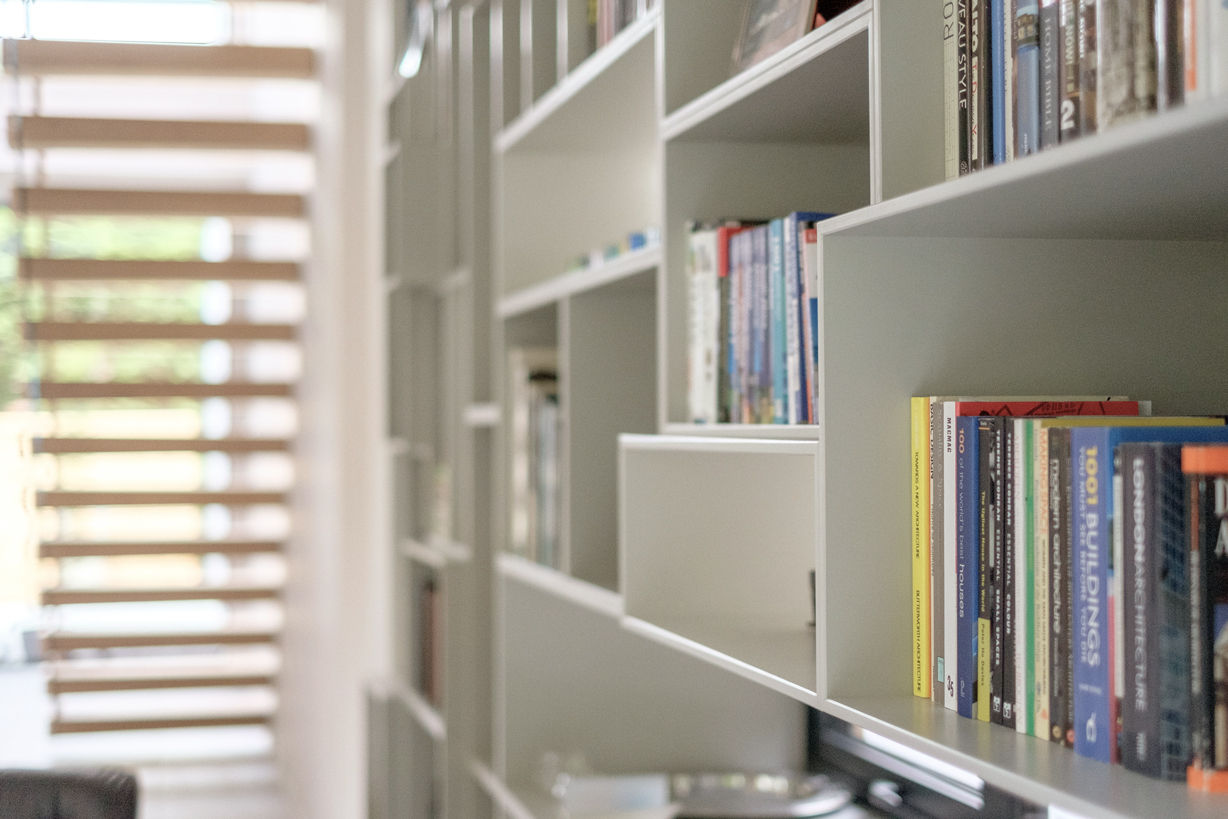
233 497
82 548
41 132
33 269
66 390
77 640
46 58
156 331
67 597
132 674
66 446
122 202
118 723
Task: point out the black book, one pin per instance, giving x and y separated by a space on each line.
1006 504
1155 724
1206 473
963 85
980 126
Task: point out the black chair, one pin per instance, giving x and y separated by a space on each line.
68 794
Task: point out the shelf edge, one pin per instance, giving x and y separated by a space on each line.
594 598
503 796
670 639
579 281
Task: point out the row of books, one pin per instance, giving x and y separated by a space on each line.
608 17
533 397
1025 75
752 320
1070 576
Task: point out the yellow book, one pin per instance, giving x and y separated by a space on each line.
922 674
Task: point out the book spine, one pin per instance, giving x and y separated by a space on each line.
778 348
998 95
1156 698
737 325
1194 76
1004 626
969 571
980 124
1026 40
1061 669
1126 60
1025 602
1050 40
1070 116
953 582
702 315
1089 82
938 627
963 83
1216 46
1007 59
1207 527
989 648
919 429
950 95
763 408
724 284
1170 54
1040 548
1139 715
810 264
796 405
1091 670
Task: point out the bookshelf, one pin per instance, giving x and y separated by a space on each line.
678 600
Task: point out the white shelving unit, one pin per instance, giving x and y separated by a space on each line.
677 630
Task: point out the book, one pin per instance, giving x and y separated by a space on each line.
1092 569
963 83
1125 61
810 274
703 303
532 385
797 306
1050 39
768 26
1026 76
968 577
1070 116
999 72
938 622
1088 31
1004 609
1170 54
980 125
919 434
724 330
950 92
1155 692
761 409
1061 665
1206 473
777 338
989 511
1038 540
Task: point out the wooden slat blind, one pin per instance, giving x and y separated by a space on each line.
122 338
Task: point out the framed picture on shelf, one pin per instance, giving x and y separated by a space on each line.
768 26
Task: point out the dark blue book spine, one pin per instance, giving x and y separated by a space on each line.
997 78
795 224
1092 462
968 535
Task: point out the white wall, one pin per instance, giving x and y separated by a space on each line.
335 636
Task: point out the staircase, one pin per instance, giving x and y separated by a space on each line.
165 402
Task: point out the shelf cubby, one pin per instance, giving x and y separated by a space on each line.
633 707
591 138
717 546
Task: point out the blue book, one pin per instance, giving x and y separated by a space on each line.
999 57
968 535
778 332
1027 77
1091 457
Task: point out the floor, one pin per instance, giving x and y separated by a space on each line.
199 774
